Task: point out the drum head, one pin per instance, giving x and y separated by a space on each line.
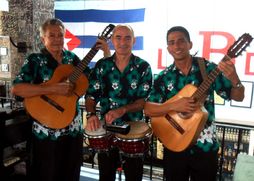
138 129
98 132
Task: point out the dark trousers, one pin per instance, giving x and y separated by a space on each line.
110 161
180 166
58 160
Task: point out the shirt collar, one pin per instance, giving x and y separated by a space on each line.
132 61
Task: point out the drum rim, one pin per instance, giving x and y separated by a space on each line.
146 136
97 136
149 132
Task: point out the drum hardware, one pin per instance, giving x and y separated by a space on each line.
122 129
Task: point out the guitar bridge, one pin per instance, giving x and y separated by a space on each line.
175 124
53 103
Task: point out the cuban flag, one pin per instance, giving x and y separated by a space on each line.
85 20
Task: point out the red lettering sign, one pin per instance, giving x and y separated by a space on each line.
247 67
160 66
208 35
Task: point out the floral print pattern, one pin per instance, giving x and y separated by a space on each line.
113 89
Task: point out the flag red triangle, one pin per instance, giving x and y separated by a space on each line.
74 41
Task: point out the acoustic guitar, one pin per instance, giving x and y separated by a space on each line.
57 111
177 131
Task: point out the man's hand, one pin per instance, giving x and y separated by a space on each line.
93 123
114 114
63 88
228 69
185 105
103 45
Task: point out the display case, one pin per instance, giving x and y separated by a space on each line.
234 139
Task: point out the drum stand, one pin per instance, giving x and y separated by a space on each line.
120 169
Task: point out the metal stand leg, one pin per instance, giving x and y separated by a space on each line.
151 157
120 169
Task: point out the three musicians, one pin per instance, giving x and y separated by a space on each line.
121 83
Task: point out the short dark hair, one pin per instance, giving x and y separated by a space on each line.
180 29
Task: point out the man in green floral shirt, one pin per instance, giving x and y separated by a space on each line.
120 84
56 153
198 161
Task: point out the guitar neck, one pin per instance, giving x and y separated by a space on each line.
205 85
105 35
83 64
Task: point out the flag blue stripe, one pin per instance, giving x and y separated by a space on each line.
103 16
89 41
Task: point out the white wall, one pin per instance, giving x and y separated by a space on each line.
201 17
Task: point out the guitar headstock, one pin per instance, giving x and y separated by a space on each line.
107 32
240 45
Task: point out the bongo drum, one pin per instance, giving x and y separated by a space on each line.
136 142
99 140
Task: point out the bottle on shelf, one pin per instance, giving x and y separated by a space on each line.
229 166
229 150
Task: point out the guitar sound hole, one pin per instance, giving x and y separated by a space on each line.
185 115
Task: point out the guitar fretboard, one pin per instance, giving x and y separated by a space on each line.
205 85
83 64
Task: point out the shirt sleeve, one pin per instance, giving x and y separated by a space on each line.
27 72
145 82
157 93
95 86
222 87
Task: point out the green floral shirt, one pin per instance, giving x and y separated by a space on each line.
39 68
171 80
113 89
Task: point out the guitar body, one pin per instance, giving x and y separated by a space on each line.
192 126
62 111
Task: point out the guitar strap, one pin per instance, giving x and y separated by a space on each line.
201 64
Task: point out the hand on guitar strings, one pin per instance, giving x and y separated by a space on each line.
185 105
62 88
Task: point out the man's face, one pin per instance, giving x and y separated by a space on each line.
178 45
123 40
53 38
